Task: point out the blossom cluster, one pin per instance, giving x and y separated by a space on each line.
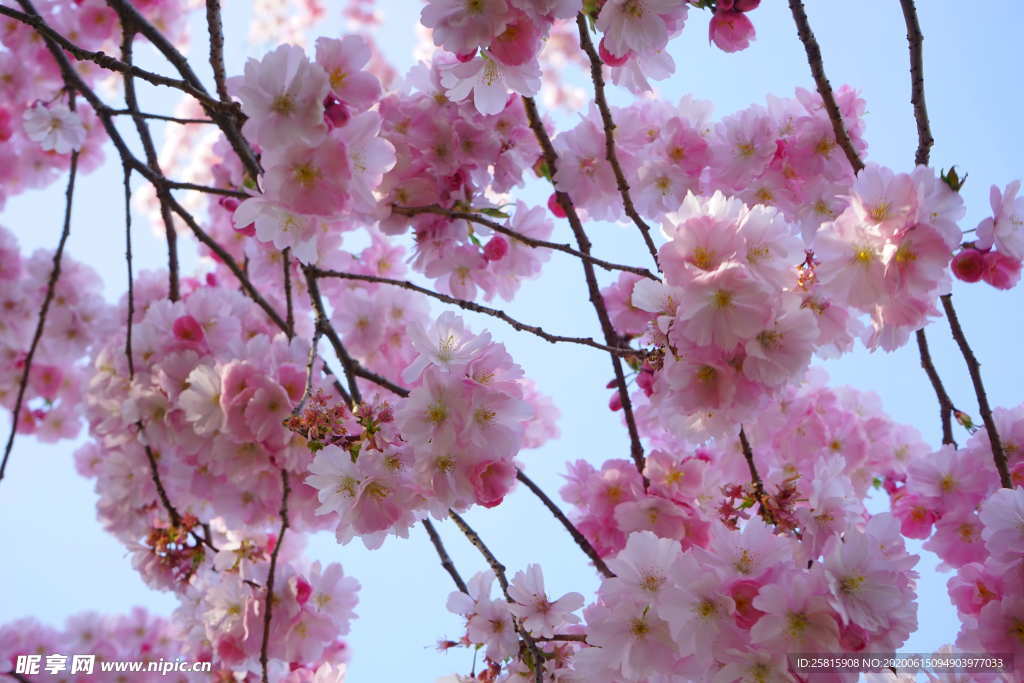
996 255
76 324
449 445
318 137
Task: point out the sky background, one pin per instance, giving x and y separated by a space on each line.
59 561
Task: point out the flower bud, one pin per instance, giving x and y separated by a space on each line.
968 265
1000 271
496 248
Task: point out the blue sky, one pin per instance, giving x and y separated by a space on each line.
61 562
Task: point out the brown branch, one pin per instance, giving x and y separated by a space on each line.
161 117
323 322
577 536
51 286
530 241
803 29
310 364
499 571
268 611
570 637
216 30
608 124
478 308
974 368
914 40
945 404
350 366
172 512
170 232
611 338
131 274
442 553
31 18
286 255
755 477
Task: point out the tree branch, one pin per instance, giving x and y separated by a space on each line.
608 124
268 611
803 29
577 536
478 308
914 41
530 241
499 571
51 286
170 232
974 368
442 553
755 477
945 404
611 338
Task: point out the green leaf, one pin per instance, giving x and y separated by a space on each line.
494 213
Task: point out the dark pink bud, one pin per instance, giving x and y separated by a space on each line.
335 112
249 230
187 329
968 264
555 207
615 403
303 590
1000 271
229 203
645 380
730 31
496 248
6 129
612 59
466 56
211 279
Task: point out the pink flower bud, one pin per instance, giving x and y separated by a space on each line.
731 31
645 380
187 329
496 248
1000 271
335 112
6 129
968 264
612 59
555 207
466 56
228 203
615 403
303 590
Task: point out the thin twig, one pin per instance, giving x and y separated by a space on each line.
596 299
51 286
172 512
478 308
519 237
577 536
161 117
974 368
310 364
268 611
350 366
131 274
286 256
914 41
322 321
755 477
31 18
170 232
803 29
216 30
608 123
442 553
499 571
945 404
